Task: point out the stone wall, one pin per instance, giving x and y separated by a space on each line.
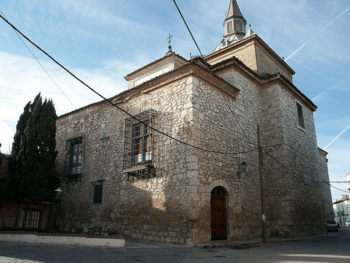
175 205
156 209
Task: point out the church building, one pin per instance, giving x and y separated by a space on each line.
169 166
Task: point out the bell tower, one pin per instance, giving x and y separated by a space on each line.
235 27
235 24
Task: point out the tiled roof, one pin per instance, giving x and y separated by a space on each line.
154 62
144 83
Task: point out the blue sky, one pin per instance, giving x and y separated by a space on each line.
103 41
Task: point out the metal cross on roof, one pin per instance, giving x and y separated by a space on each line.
169 38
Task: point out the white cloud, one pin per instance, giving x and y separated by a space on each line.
6 137
21 79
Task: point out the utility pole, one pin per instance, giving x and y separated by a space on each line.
263 216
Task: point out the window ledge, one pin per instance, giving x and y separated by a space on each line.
134 169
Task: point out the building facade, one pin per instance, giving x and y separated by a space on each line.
342 210
165 165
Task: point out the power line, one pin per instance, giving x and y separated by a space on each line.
188 28
105 99
42 65
337 188
234 115
299 176
283 166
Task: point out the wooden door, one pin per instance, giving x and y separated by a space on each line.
218 214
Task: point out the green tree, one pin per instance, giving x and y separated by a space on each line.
36 154
14 165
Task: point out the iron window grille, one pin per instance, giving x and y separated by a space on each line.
139 143
33 218
75 156
97 194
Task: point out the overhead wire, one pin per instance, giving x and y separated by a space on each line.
189 30
283 166
114 105
298 175
42 66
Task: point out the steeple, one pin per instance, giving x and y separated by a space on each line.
235 23
235 26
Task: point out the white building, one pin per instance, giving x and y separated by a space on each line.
342 210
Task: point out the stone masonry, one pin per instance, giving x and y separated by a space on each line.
214 105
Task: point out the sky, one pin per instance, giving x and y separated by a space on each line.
103 41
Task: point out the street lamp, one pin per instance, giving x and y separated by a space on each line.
242 168
58 193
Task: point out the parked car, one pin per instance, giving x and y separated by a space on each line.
347 223
332 225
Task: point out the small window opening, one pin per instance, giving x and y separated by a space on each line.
75 156
97 194
300 116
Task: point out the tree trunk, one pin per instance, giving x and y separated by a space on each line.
2 216
17 214
24 223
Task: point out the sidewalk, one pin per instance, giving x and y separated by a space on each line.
252 243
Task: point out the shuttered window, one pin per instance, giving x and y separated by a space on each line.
300 116
238 25
97 194
229 27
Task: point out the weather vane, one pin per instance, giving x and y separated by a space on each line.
169 42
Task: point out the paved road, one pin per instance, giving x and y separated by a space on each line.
333 248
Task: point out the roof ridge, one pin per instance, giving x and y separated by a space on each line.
154 62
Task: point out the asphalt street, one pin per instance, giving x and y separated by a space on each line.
332 248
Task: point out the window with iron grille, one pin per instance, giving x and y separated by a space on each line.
300 116
33 218
75 156
97 194
139 141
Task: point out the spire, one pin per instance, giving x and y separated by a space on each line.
235 22
235 26
250 32
234 11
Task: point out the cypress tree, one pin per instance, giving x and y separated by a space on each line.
35 158
14 165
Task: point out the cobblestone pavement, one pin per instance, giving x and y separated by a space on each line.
332 248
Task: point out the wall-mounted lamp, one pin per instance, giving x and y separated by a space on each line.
58 193
243 167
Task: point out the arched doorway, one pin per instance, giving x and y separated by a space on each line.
218 214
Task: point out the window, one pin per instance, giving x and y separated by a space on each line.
238 25
75 156
141 143
300 116
229 27
224 42
33 218
97 194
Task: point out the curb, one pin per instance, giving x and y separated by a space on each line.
253 244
